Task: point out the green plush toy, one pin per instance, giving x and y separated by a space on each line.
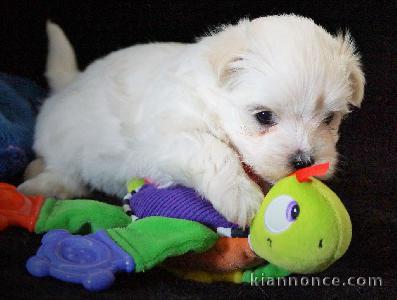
302 226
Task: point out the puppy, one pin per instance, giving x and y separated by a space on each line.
270 92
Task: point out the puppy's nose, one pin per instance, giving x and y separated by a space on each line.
301 160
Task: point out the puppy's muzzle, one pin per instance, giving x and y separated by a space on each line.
301 160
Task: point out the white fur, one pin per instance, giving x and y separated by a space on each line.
184 113
61 61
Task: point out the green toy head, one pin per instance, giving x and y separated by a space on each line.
301 226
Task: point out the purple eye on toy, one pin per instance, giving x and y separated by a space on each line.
281 212
292 211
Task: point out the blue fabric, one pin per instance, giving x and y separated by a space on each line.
19 102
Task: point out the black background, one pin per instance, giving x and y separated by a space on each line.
367 178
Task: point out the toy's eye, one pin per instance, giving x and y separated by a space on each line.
281 212
292 211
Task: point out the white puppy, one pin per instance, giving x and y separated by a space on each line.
270 92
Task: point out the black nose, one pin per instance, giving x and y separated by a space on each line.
301 160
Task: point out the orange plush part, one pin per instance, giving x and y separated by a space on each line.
17 209
303 175
228 254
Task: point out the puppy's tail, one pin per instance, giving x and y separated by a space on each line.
61 66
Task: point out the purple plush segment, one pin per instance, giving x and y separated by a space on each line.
176 202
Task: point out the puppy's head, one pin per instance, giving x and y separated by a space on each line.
285 85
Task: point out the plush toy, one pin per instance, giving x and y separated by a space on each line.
301 227
19 102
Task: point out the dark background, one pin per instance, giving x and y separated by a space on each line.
366 182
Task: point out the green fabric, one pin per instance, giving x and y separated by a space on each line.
79 216
151 240
135 184
265 272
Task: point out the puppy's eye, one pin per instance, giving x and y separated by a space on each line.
265 117
329 118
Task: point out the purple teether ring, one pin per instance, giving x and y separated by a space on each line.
90 260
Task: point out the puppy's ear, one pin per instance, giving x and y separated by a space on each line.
354 68
224 50
357 81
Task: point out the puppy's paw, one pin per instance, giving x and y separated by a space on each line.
239 202
48 186
31 187
35 167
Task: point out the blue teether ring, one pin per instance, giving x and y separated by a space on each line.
90 260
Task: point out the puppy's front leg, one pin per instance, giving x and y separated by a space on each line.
212 168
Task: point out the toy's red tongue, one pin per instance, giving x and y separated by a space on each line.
303 175
265 186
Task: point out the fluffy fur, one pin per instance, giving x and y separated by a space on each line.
185 113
